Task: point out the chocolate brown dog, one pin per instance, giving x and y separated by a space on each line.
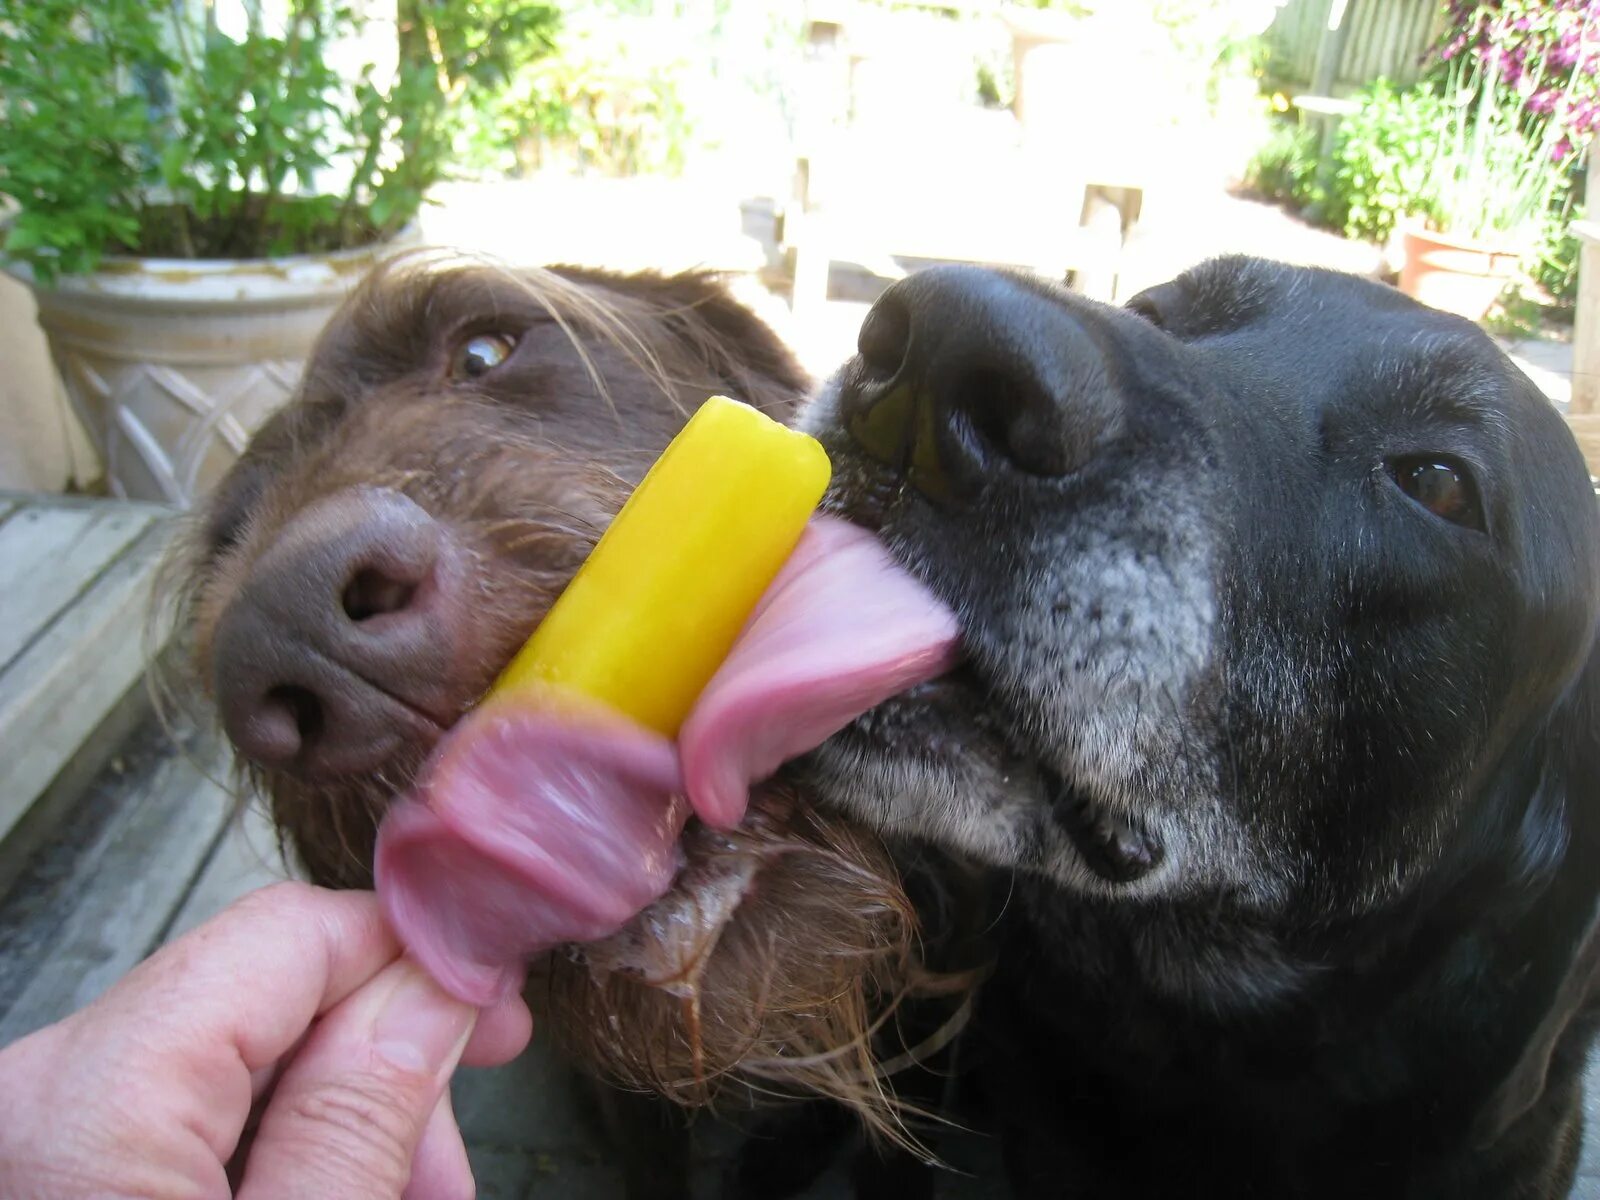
460 439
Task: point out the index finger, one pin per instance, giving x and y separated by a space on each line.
257 975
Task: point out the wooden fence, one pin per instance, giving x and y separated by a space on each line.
1380 38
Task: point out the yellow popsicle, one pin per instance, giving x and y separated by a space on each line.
651 614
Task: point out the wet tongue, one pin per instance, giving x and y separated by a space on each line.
841 629
536 825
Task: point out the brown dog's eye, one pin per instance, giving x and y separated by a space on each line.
1442 487
479 355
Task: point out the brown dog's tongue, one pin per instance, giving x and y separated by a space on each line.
534 826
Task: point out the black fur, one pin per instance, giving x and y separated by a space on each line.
1298 778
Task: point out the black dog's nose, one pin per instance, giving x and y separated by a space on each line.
963 371
337 649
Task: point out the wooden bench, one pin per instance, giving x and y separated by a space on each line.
878 197
929 178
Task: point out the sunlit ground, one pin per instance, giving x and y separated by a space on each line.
668 225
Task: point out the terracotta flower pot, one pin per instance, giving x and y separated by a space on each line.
1458 275
172 364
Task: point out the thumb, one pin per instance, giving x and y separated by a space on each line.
350 1110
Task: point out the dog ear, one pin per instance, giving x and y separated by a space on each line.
738 344
1564 924
1157 304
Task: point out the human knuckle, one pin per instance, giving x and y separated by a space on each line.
367 1122
285 894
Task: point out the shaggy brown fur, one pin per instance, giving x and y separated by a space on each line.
524 466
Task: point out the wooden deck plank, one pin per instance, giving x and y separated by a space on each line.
50 555
246 858
124 892
63 500
58 690
105 744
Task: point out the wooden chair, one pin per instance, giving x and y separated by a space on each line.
937 182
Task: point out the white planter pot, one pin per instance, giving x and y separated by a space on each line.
173 363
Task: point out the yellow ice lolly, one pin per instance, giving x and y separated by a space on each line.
651 614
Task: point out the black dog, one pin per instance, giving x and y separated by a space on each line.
1280 594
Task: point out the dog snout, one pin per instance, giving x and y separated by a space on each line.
339 646
963 372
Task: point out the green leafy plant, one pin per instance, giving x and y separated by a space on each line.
1284 168
1555 260
1384 160
1491 174
1521 84
144 127
611 103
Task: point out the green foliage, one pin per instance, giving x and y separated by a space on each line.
135 126
1554 263
1495 172
73 133
1285 167
1384 156
611 103
1408 153
1378 173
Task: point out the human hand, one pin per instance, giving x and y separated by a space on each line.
296 996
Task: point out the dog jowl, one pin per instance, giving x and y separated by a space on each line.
1279 594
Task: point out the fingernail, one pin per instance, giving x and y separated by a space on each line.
420 1027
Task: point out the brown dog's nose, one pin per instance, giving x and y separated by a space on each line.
963 371
339 647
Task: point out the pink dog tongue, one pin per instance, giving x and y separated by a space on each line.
534 827
841 629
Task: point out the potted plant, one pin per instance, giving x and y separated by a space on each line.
1519 101
196 187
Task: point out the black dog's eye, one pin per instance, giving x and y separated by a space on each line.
479 355
1442 487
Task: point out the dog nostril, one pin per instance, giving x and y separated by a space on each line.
371 593
986 405
276 729
289 710
1011 417
885 338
